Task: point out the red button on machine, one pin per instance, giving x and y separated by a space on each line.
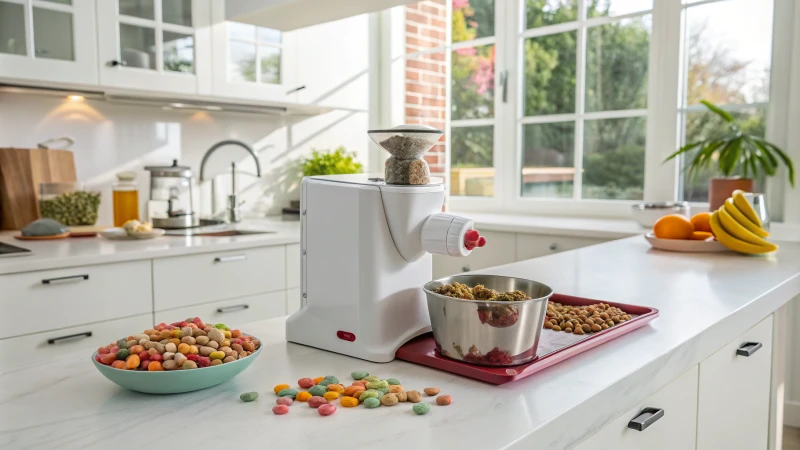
346 336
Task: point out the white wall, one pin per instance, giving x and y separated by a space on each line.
792 392
110 138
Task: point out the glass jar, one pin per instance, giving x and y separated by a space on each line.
126 198
68 203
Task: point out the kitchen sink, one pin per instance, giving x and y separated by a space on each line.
225 233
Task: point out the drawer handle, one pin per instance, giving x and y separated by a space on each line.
748 348
647 417
71 336
71 277
232 308
554 246
465 269
222 259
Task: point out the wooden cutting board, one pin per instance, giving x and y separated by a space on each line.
21 171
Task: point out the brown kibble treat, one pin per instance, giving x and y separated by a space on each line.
216 362
402 396
395 388
444 400
431 391
556 328
568 329
596 327
237 347
586 328
548 325
604 326
414 396
389 400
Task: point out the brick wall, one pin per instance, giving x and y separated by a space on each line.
425 75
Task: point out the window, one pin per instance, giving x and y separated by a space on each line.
726 67
571 106
584 98
145 25
254 54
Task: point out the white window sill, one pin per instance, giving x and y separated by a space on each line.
587 227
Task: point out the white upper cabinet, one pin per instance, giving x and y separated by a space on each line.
155 45
333 65
252 62
50 40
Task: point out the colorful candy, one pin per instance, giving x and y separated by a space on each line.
431 391
336 388
350 391
359 375
304 383
284 401
248 396
377 384
371 393
303 396
280 409
318 390
444 400
395 388
414 396
289 392
318 379
393 381
389 400
280 387
372 402
330 396
371 378
348 402
316 402
421 408
326 410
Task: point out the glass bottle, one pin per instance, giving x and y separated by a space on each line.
126 198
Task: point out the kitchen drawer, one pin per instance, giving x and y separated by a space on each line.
733 408
536 245
195 279
47 300
500 249
231 312
32 347
293 300
675 430
293 265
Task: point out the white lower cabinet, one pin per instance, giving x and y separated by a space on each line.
670 417
500 249
24 349
734 395
535 245
231 312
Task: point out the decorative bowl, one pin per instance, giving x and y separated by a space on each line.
175 381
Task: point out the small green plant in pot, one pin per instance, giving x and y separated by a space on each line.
338 161
739 157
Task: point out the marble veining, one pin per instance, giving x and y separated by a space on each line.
705 302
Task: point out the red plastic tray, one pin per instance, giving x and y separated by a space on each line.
422 350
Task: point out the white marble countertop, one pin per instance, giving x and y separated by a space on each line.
73 252
705 302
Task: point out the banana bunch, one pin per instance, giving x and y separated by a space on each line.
736 225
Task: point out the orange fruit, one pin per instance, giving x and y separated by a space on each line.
673 226
702 222
701 235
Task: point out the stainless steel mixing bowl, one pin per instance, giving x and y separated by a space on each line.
485 332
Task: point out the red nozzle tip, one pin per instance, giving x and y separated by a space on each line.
472 239
481 241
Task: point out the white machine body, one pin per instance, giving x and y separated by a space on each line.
365 253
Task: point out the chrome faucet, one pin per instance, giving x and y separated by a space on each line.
233 212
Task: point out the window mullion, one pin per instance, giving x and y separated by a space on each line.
580 90
664 69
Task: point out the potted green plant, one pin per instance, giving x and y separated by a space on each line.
338 161
739 157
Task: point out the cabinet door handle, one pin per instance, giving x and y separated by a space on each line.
85 334
504 85
297 89
748 348
465 269
647 417
69 278
117 62
554 246
232 308
222 259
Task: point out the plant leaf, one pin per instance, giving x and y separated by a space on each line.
783 156
765 151
683 149
725 115
757 154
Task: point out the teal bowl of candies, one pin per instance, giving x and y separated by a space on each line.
179 357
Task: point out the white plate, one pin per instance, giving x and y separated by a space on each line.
119 234
685 245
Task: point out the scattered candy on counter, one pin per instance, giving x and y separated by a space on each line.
444 400
326 409
248 396
370 390
189 344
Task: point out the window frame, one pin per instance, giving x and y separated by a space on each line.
663 113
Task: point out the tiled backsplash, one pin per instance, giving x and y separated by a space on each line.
111 137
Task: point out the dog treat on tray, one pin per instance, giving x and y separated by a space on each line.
583 319
479 292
